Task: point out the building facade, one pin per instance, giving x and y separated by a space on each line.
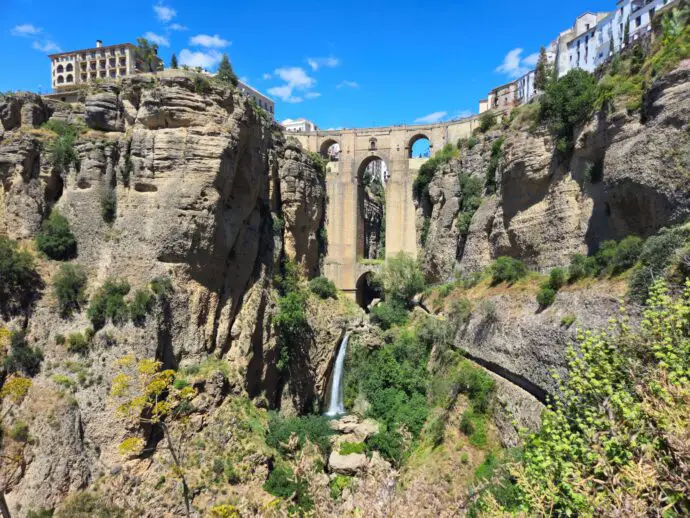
298 125
504 97
262 100
69 69
526 88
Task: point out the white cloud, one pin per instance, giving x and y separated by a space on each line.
431 118
177 27
266 76
163 12
244 79
348 84
157 39
312 95
463 114
295 79
26 29
201 59
46 46
204 40
328 62
514 65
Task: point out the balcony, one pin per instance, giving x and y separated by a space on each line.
636 5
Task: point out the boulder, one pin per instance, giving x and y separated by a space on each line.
103 112
351 464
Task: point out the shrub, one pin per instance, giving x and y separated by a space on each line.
312 427
557 278
546 296
69 285
109 207
494 160
627 253
338 484
59 339
284 484
162 287
18 277
19 431
472 142
291 324
388 314
62 152
22 357
568 320
86 504
109 303
476 383
581 267
77 343
323 287
348 448
230 473
473 425
487 120
507 269
140 306
55 238
402 279
389 445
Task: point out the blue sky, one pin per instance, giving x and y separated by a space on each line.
340 64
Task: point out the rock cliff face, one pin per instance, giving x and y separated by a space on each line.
624 177
199 178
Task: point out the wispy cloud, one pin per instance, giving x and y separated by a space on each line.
202 59
348 84
312 95
266 76
514 65
205 40
26 29
163 12
328 62
177 27
431 118
296 79
47 46
157 39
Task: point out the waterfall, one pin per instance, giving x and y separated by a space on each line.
336 405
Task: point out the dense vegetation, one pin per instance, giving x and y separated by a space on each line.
69 285
56 239
19 280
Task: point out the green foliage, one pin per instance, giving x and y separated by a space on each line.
428 169
402 279
55 238
388 314
473 424
40 513
476 383
109 207
225 73
86 504
19 280
146 54
567 103
494 160
323 287
568 320
291 324
62 152
675 43
77 343
284 484
470 200
230 472
546 296
348 448
22 357
69 285
544 72
557 278
173 61
140 306
201 84
424 233
581 267
109 303
507 269
627 252
312 427
618 427
469 143
19 431
547 291
390 445
338 484
161 287
487 120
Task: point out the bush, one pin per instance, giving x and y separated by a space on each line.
140 306
62 152
22 357
85 504
77 343
19 280
19 431
581 267
109 303
312 427
476 383
546 296
473 425
323 287
494 160
338 484
69 285
568 320
402 279
348 448
507 269
487 120
388 314
557 278
389 445
627 253
162 287
284 484
109 207
56 239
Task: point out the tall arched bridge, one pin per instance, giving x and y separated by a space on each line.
358 147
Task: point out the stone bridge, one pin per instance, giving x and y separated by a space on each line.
359 147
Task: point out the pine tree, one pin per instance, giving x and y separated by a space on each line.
543 72
173 61
626 32
225 72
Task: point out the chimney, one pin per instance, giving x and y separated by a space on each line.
99 44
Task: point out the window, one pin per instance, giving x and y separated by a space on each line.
372 144
638 21
60 69
69 67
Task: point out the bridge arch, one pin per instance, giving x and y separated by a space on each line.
371 206
417 138
367 290
327 149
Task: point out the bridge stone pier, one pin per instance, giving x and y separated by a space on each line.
358 147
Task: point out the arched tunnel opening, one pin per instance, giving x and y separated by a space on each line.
372 178
368 289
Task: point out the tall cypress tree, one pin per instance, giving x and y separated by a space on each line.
173 61
225 72
542 74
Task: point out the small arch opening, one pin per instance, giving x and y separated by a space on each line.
419 147
60 69
368 289
371 220
60 80
70 78
330 149
69 67
372 144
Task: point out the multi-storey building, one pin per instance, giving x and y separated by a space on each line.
577 47
503 97
299 125
264 102
69 69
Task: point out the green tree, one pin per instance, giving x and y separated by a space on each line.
225 72
56 239
19 280
173 61
68 285
146 54
626 32
402 279
543 73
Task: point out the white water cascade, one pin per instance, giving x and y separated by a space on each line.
336 404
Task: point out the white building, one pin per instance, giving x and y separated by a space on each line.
262 100
299 125
577 47
526 88
68 69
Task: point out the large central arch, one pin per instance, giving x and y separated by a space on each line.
358 147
